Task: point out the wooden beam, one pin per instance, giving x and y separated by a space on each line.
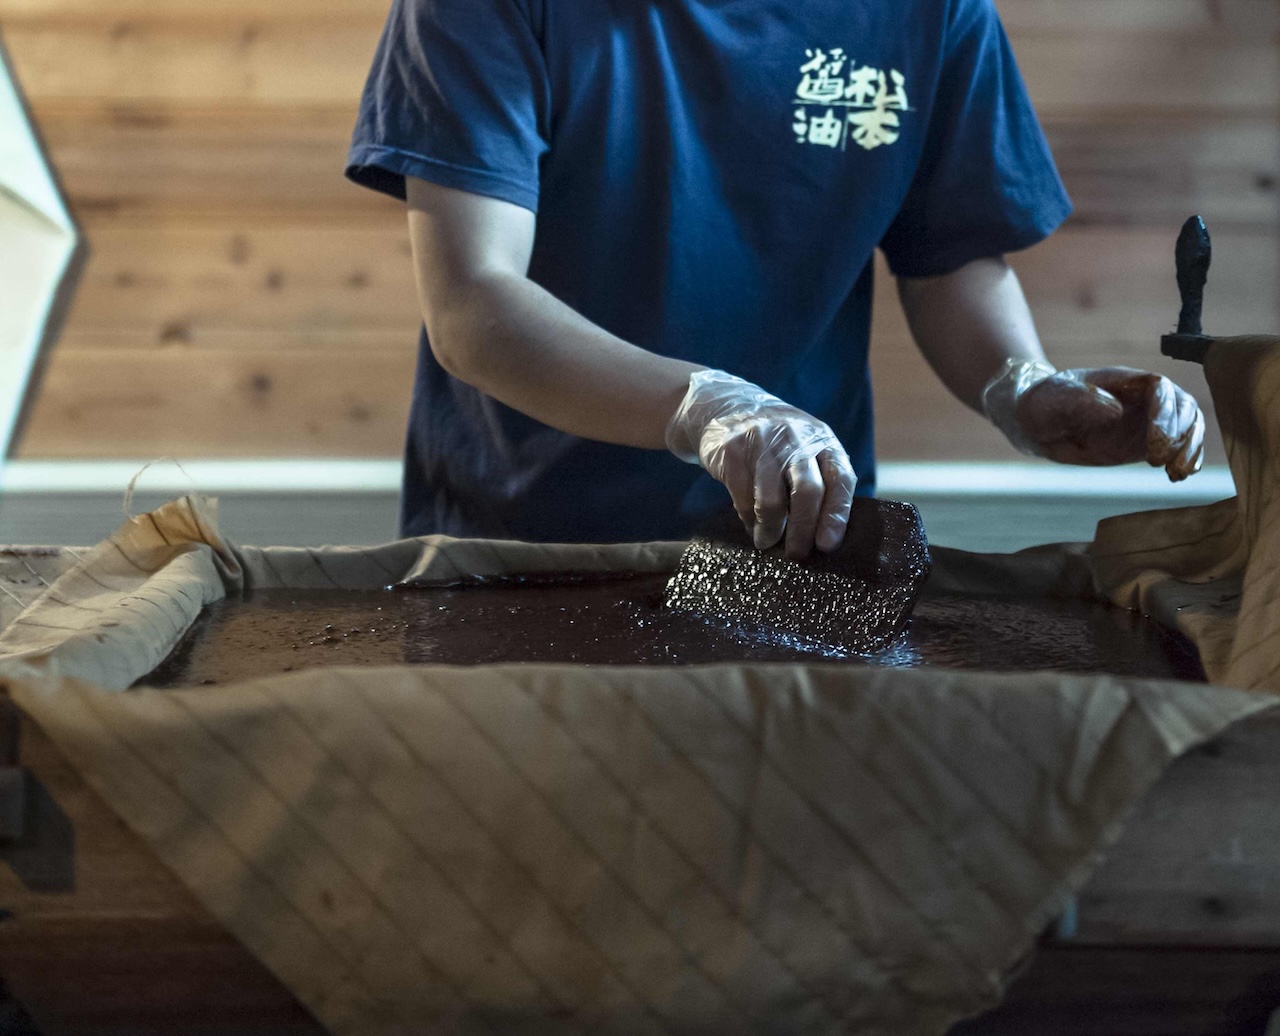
134 159
153 403
190 12
311 63
1112 290
238 283
222 339
1117 72
325 63
1230 18
1020 16
1140 168
234 282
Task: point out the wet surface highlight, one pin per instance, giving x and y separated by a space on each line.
858 598
621 620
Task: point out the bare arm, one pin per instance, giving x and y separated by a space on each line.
968 323
492 327
495 329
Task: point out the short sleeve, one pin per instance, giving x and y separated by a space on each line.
457 95
986 183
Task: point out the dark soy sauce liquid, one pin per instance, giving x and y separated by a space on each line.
607 619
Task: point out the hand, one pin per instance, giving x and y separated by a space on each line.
1112 415
785 469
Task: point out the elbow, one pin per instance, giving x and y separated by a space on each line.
453 355
454 343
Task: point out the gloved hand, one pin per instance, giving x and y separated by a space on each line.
1112 415
785 469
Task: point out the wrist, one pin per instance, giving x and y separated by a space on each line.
1002 393
712 395
679 435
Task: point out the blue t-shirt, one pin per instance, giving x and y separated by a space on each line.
711 178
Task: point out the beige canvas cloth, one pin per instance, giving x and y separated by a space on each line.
559 849
1214 572
774 849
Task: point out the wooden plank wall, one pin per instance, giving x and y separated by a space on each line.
1155 110
243 300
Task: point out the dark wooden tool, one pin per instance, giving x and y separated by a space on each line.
856 599
1192 256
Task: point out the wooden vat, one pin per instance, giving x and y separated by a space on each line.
1178 932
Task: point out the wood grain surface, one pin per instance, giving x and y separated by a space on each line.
1199 863
203 144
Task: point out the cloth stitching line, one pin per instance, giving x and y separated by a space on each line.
442 553
501 561
1016 745
886 970
188 598
50 596
315 558
1065 804
423 850
208 536
27 565
302 820
372 556
88 571
507 761
140 568
481 174
1268 567
177 630
281 582
634 800
156 525
878 776
19 600
172 584
926 922
93 707
46 626
1227 527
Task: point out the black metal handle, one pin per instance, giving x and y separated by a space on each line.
1192 256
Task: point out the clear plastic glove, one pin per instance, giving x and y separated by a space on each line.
1111 415
785 469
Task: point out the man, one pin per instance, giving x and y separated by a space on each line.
614 204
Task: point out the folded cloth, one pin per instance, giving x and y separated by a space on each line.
780 849
1214 572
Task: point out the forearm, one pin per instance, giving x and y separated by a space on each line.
495 329
968 323
515 341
